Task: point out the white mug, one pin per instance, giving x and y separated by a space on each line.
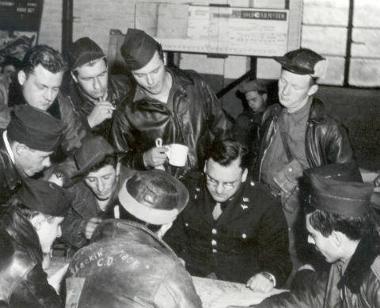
177 154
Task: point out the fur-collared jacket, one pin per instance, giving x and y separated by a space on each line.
357 287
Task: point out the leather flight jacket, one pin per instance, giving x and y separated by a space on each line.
10 179
119 87
195 119
126 265
326 140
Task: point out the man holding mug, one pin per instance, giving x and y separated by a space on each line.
174 105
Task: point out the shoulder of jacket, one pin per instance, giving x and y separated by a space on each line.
375 267
192 179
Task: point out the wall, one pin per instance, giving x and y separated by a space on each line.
324 29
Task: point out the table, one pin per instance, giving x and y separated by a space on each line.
213 293
220 294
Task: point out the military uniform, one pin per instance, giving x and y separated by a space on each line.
249 237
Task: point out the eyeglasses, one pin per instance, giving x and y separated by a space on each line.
226 185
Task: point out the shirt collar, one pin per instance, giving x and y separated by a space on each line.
8 147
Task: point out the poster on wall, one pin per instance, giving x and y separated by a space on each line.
217 30
19 26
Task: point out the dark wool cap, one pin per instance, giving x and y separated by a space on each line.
349 199
154 196
348 172
45 197
301 61
253 85
82 51
138 49
35 128
93 150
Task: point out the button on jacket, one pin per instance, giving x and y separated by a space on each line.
249 237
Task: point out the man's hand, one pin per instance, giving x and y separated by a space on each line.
101 112
155 157
90 227
260 283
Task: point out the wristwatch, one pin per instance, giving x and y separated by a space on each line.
270 277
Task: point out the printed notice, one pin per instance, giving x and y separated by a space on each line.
223 30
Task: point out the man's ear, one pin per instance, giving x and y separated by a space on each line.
265 97
337 238
37 221
19 148
313 89
21 77
244 175
205 167
74 77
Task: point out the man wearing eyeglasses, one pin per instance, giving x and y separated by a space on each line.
231 228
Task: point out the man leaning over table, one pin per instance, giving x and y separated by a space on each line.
231 229
341 226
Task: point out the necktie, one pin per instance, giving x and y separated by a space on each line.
217 211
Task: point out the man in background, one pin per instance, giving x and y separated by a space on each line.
248 123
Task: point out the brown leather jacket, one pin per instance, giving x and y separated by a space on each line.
126 265
326 140
196 118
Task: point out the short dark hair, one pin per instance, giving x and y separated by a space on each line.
225 151
9 60
355 228
75 70
48 57
108 160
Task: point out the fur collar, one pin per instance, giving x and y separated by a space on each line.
360 263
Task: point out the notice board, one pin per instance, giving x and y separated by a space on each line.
216 30
20 15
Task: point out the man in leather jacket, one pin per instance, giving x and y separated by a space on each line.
39 82
25 147
94 93
127 265
174 105
340 223
298 135
29 227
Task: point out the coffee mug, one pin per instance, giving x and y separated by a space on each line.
177 154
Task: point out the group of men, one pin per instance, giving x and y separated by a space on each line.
229 213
